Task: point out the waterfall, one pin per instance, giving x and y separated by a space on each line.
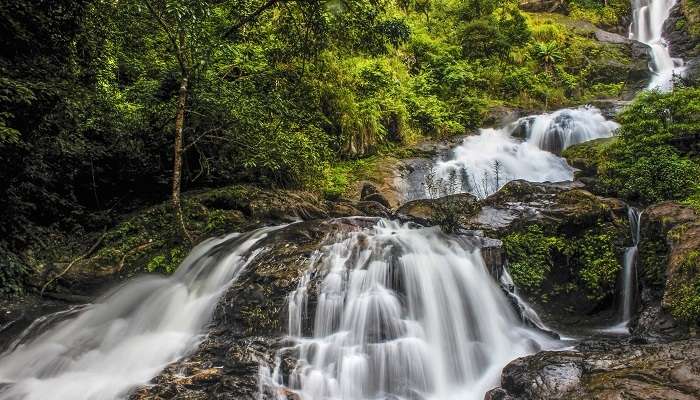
527 313
629 268
400 313
564 128
648 17
485 162
129 335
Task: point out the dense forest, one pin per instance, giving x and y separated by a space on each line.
133 130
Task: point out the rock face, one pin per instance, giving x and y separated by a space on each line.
682 31
425 211
564 247
605 371
669 271
371 193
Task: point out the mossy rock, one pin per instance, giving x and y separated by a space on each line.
669 266
564 245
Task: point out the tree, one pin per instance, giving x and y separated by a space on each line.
183 24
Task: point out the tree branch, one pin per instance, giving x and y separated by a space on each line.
267 5
159 18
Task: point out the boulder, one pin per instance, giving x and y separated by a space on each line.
605 371
682 32
564 247
669 272
367 190
378 198
426 211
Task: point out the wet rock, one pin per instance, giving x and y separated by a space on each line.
250 321
377 197
681 32
543 226
562 205
669 253
606 371
425 211
609 37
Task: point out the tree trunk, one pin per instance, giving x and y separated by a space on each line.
177 163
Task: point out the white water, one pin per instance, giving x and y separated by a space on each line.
485 162
648 17
629 268
401 313
527 313
131 334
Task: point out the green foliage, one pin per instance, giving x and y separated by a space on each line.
167 263
684 295
534 256
13 273
600 265
530 256
643 164
609 13
285 99
548 54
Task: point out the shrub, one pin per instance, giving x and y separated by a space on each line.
530 256
643 164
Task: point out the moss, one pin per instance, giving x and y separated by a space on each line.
693 200
587 155
683 294
530 256
167 262
652 257
599 262
546 264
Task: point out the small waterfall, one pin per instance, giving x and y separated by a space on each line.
564 128
131 334
629 268
648 17
483 163
527 313
400 313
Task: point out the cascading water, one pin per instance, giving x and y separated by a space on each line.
648 17
401 313
483 163
527 313
131 334
564 128
629 268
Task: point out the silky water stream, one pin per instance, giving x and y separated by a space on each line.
398 312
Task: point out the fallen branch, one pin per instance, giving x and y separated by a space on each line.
132 251
70 265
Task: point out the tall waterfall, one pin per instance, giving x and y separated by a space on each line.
629 268
485 162
648 17
131 334
401 313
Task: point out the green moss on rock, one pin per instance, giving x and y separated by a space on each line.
683 294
